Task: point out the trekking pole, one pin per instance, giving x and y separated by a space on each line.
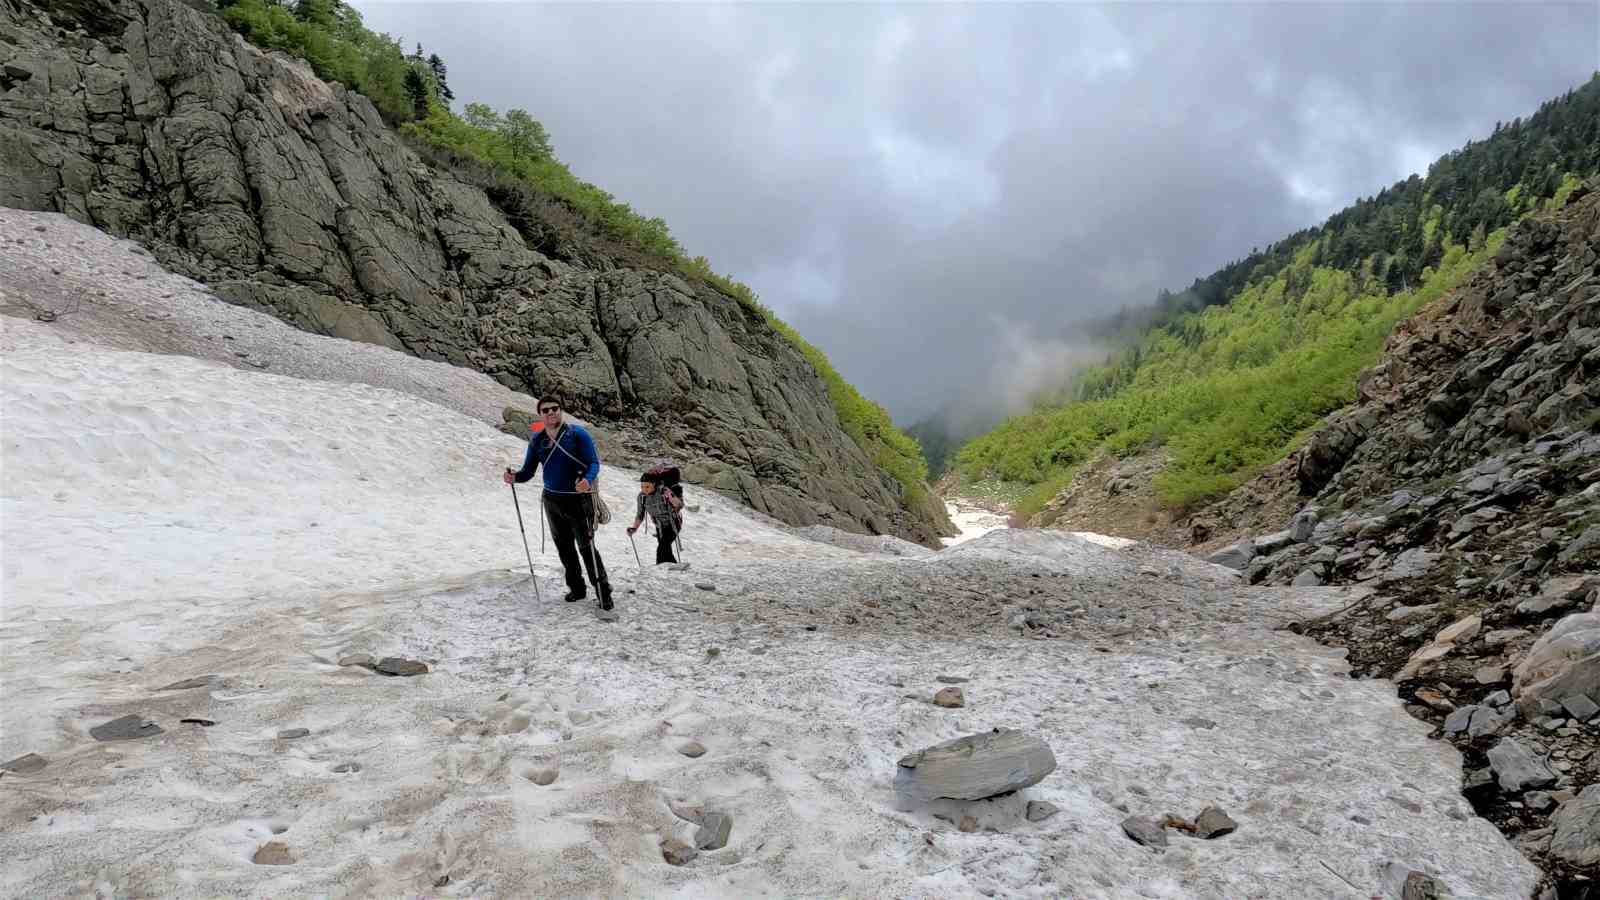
676 535
517 504
594 568
635 551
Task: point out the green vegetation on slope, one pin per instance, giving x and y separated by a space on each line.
1229 391
1231 374
412 92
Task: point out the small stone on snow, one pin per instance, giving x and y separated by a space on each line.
273 853
125 728
677 853
1039 810
1145 831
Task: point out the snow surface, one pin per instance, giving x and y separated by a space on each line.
164 517
971 521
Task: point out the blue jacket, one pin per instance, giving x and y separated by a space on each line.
561 471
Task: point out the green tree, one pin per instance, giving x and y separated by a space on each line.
439 72
482 117
322 13
525 136
417 90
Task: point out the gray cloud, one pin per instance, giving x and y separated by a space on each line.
935 194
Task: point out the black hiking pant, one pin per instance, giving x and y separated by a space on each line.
572 529
664 547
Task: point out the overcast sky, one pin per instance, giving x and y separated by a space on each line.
934 193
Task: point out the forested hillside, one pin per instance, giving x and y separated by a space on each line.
1230 373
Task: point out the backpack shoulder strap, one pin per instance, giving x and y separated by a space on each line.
556 442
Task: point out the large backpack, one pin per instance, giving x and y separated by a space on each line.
669 477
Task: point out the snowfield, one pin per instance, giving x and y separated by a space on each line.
166 517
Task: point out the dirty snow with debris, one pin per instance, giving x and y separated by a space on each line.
165 518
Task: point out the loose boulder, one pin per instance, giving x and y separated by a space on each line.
1236 557
974 767
1564 663
1577 824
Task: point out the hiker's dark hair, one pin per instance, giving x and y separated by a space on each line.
551 398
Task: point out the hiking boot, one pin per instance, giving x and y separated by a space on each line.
572 597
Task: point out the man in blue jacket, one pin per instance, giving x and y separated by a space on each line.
570 467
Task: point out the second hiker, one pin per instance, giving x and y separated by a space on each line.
571 465
658 501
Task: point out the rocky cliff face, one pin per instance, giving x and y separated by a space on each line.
1464 488
152 120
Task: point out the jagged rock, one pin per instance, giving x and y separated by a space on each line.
974 767
1585 543
1413 563
1517 767
1266 545
1559 594
1538 801
1403 614
1235 557
1464 630
1565 662
1423 887
687 811
951 698
1501 637
1145 831
1213 823
1435 700
1580 707
1498 698
1039 810
677 853
1577 829
239 168
1442 646
1489 674
394 665
1307 578
1303 525
1487 721
1457 721
273 853
26 764
125 728
714 831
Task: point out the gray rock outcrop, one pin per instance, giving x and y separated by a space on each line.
152 120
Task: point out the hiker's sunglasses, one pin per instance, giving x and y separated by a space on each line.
549 409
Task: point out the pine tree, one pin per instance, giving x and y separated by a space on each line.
417 90
439 71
